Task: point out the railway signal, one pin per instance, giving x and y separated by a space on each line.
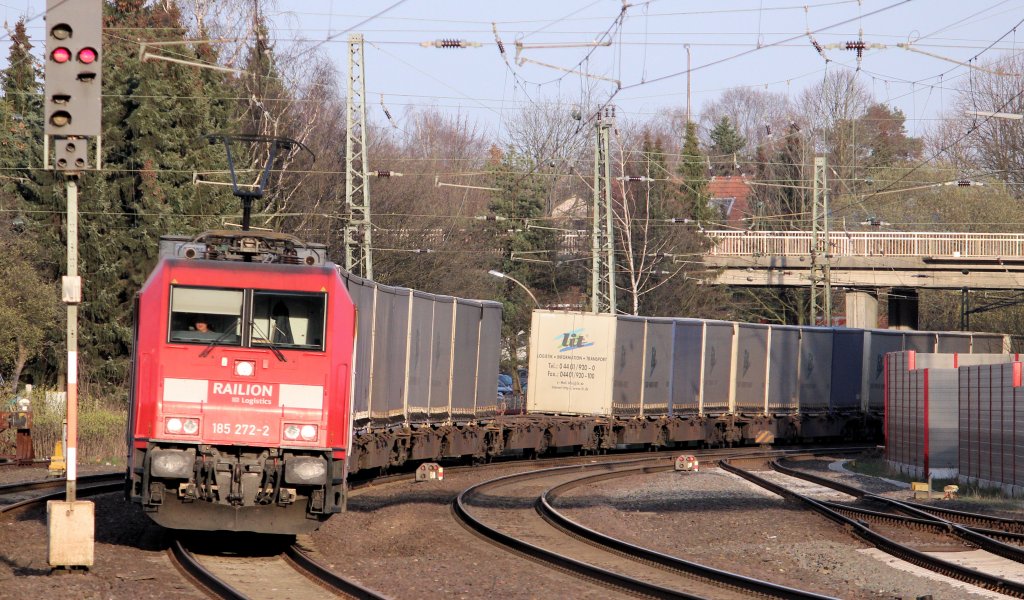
72 110
73 68
73 81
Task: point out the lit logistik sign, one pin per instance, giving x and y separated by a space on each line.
572 340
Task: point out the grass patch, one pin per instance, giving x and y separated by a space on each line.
875 466
101 428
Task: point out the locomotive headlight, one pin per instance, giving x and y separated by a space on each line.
173 425
191 426
309 432
174 464
245 368
305 470
291 432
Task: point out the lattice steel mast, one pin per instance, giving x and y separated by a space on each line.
602 280
358 238
820 254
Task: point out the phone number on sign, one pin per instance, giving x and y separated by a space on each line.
241 429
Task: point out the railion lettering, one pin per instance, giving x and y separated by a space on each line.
243 389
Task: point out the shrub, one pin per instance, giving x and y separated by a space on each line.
101 427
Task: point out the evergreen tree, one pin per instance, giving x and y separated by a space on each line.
34 218
156 117
885 139
693 171
527 252
725 139
21 117
726 143
21 77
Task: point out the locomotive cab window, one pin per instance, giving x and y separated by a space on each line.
206 316
288 320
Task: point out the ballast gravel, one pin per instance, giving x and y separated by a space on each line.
717 519
402 540
130 556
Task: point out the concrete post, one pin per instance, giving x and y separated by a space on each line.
862 309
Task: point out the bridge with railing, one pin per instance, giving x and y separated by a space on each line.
862 262
868 259
869 244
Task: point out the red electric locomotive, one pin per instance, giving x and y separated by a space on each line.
240 414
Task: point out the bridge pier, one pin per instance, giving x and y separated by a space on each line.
903 308
862 309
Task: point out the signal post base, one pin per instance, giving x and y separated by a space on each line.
72 531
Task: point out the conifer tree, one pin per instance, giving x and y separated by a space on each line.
527 252
156 116
32 229
693 171
726 143
725 140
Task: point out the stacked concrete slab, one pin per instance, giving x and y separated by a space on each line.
992 426
955 415
921 413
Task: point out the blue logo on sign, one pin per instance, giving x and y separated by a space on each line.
572 340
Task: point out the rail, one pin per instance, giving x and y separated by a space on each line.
899 550
868 243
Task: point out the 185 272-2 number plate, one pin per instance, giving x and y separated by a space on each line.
241 429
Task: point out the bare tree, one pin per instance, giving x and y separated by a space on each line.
981 144
757 115
832 110
655 257
426 226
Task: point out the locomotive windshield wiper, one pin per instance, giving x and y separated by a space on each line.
220 338
268 343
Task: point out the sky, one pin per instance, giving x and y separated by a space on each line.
636 54
757 43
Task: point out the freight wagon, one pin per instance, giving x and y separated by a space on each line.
600 382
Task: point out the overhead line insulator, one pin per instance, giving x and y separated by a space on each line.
450 43
497 40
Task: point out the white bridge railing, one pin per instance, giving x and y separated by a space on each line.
865 243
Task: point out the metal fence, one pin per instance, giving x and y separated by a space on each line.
937 244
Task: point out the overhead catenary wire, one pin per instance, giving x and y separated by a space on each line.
542 174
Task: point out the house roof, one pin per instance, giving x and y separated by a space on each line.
572 207
731 194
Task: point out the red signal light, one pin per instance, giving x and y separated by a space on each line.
61 55
87 56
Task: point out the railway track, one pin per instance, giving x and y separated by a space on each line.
856 519
283 571
998 535
518 512
231 573
22 495
969 519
